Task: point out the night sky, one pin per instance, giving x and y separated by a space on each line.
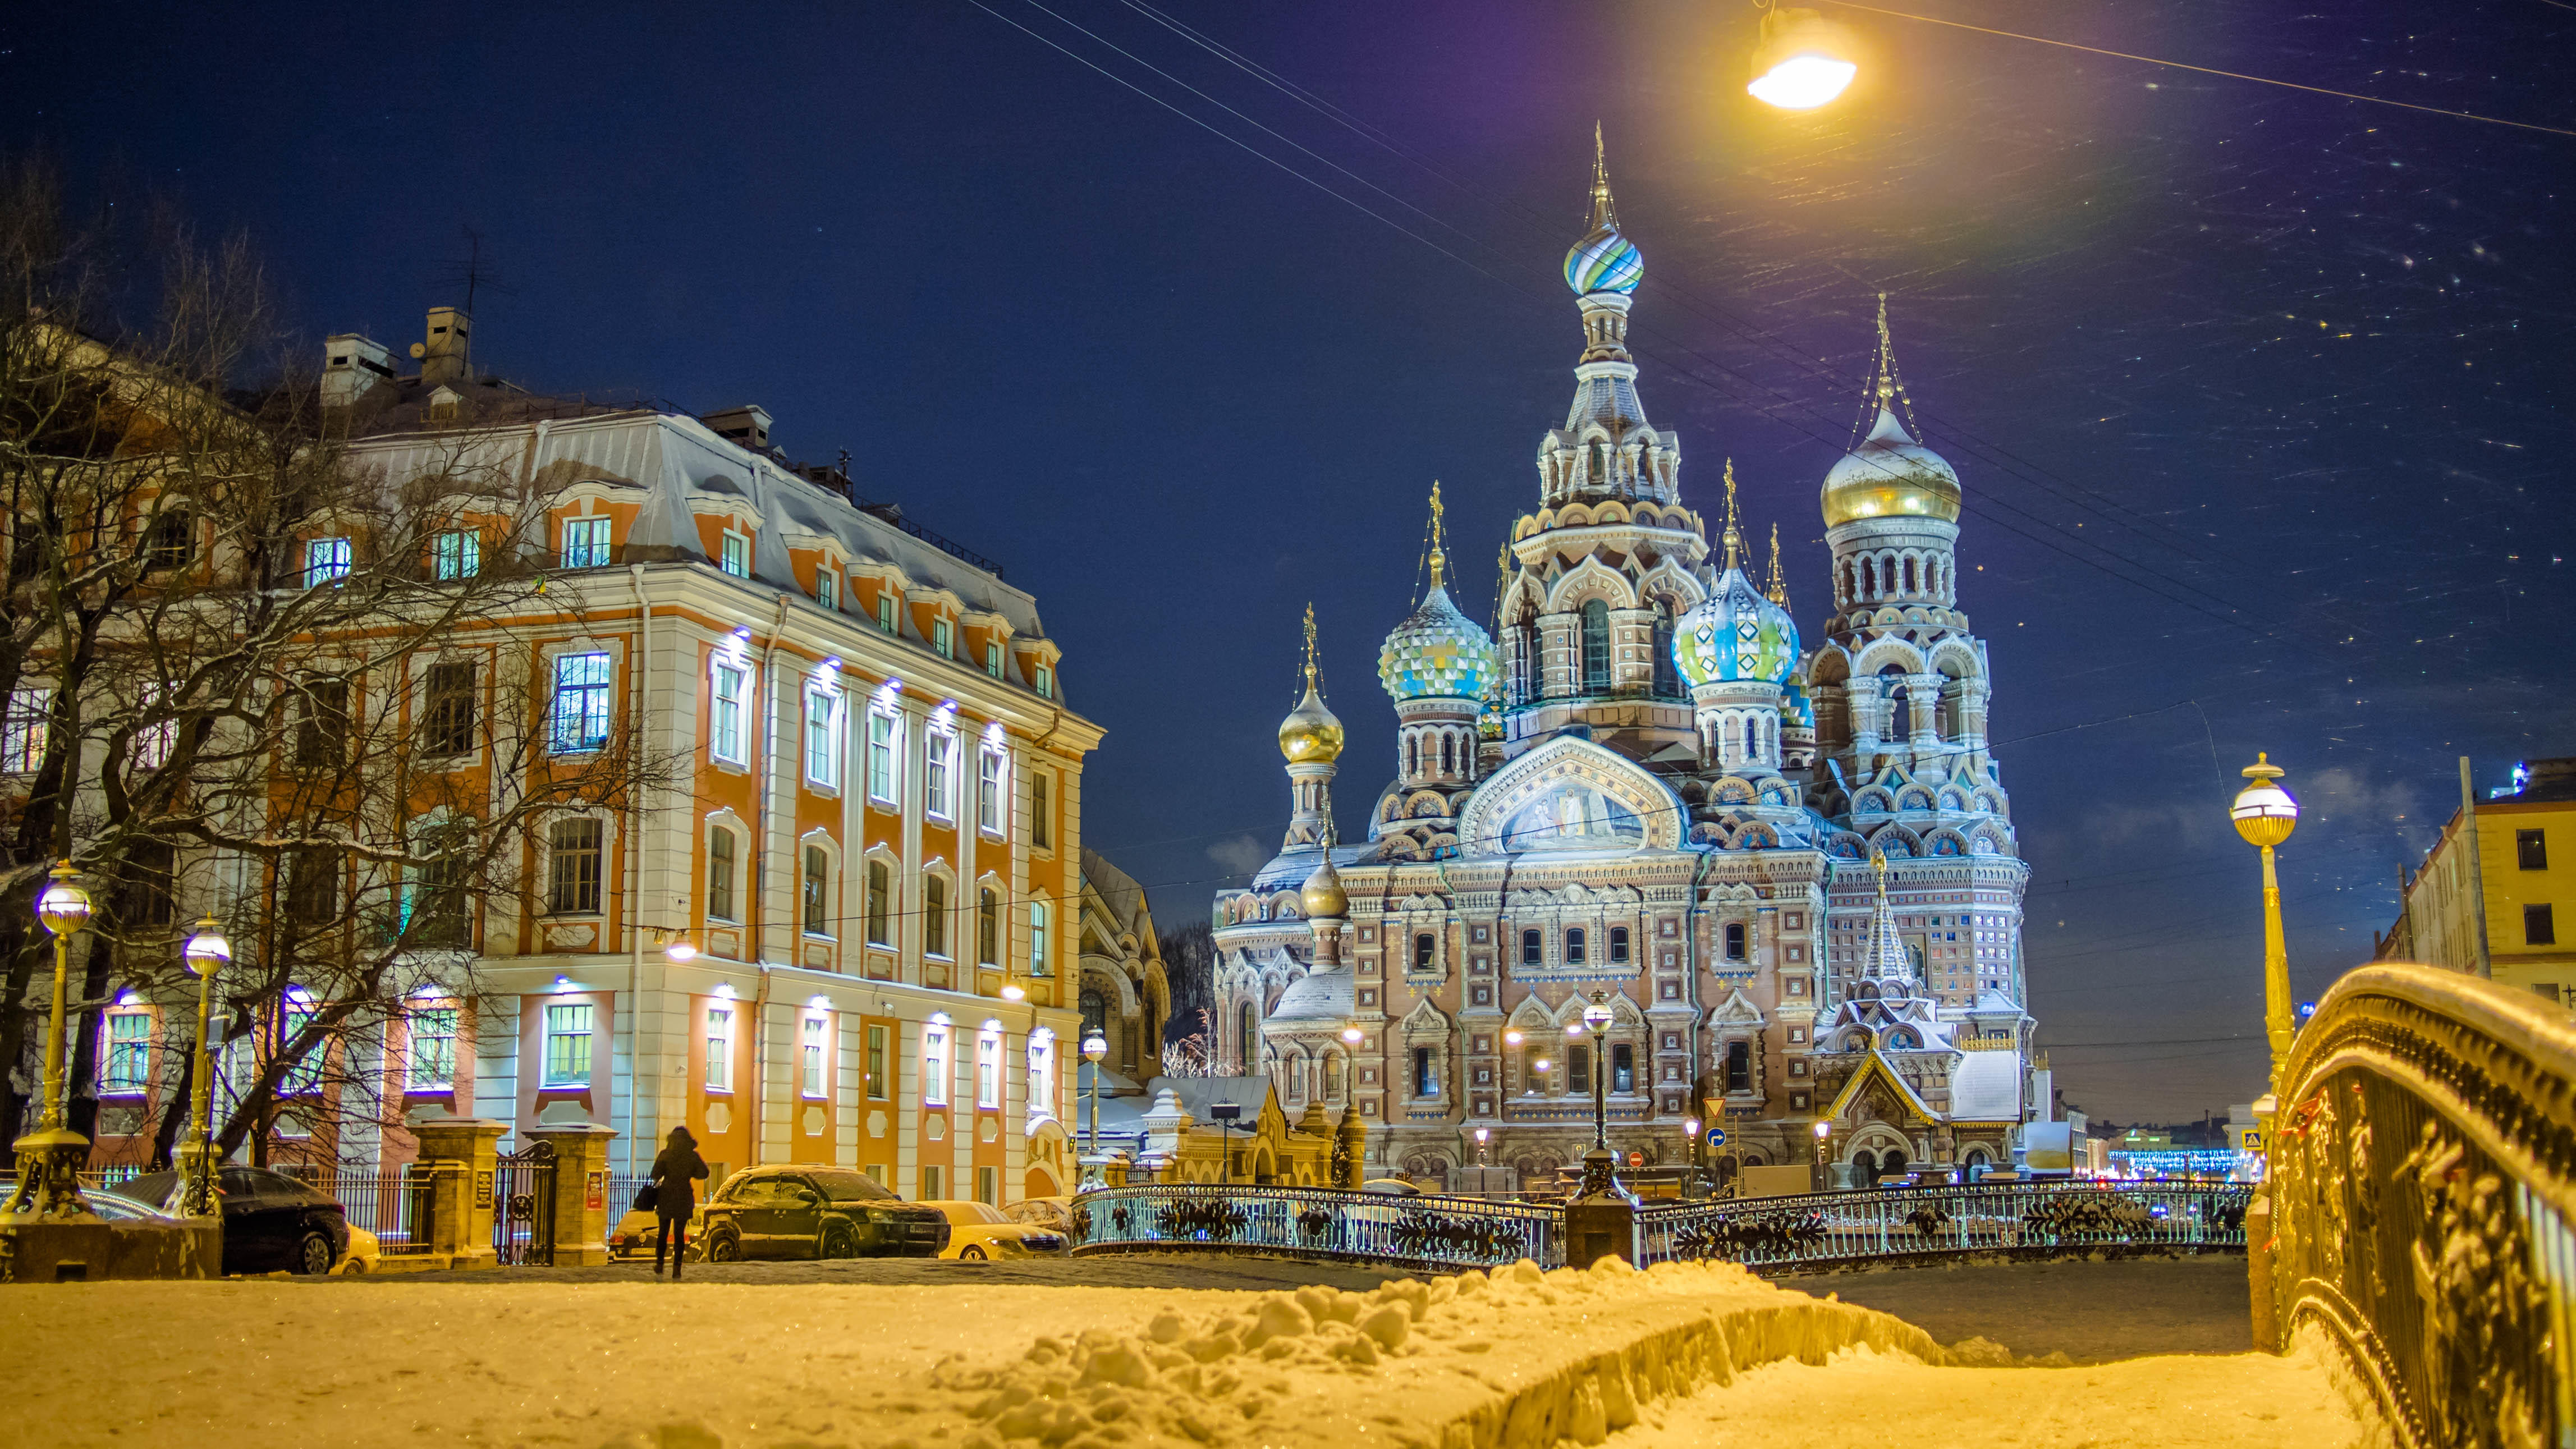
2257 396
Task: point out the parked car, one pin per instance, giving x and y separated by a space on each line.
1392 1186
1055 1214
365 1254
797 1210
978 1231
271 1221
112 1204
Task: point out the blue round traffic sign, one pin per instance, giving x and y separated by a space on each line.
1717 1137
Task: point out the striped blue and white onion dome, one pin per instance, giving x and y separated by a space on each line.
1436 653
1735 634
1605 261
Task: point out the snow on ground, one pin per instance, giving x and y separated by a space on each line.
1673 1357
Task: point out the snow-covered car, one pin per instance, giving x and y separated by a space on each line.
271 1221
365 1254
978 1231
639 1235
798 1210
1055 1214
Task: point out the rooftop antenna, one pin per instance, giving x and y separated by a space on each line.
472 273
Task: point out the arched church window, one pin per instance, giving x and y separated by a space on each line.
1412 755
1247 1036
1739 1066
1734 746
1095 1012
1667 683
1600 472
1596 646
1869 578
1909 574
1448 755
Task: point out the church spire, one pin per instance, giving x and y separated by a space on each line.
1439 554
1887 959
1778 589
1604 217
1886 393
1733 538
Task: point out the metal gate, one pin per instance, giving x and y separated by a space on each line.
523 1206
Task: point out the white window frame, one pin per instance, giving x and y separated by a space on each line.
886 610
988 1068
943 638
1045 682
415 1078
729 712
579 1020
716 1069
325 559
991 771
733 553
885 755
935 1036
26 733
938 772
826 710
993 659
587 541
814 1054
125 1064
456 553
599 698
1038 942
1041 1053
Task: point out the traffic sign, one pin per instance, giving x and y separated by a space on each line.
2252 1140
1717 1137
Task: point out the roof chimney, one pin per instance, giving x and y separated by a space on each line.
351 366
448 354
747 425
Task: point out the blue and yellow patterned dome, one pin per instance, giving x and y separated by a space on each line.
1797 711
1436 653
1735 634
1605 261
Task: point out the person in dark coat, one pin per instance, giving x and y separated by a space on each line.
676 1172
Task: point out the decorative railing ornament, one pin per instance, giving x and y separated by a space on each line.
2006 1219
2422 1180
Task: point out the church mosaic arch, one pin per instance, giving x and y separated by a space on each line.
1570 795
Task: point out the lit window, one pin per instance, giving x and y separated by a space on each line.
818 891
585 543
581 703
823 736
433 1049
725 735
129 1051
934 1064
938 748
881 775
156 732
988 1070
934 915
325 559
1038 958
941 640
306 1074
1045 682
457 554
1042 1073
1426 1073
993 660
720 874
568 1045
880 886
572 882
988 792
885 612
813 1055
827 588
23 733
736 559
719 1049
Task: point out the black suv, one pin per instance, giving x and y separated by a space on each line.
271 1221
794 1210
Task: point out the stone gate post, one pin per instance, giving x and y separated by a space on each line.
582 1209
460 1152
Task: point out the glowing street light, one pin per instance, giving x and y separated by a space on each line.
207 953
51 1157
2265 815
1803 61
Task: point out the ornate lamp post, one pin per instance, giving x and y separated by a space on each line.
2265 815
1690 1143
1600 1164
50 1158
1095 1047
1823 1130
207 953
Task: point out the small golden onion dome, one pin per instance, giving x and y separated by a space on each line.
1310 732
1323 893
1890 476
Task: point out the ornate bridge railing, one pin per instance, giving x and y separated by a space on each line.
2025 1218
1413 1232
2423 1179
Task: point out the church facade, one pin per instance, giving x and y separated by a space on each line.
1789 872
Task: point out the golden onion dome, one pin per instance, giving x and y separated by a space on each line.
1310 732
1323 893
1890 476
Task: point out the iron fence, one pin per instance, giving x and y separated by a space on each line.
1413 1232
395 1206
2018 1217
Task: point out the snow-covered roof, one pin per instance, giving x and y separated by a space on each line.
1986 1087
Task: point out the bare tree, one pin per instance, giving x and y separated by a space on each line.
246 673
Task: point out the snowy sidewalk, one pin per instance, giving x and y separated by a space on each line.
1659 1360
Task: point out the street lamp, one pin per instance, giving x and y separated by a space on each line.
2265 815
50 1158
1803 60
1823 1129
206 953
1599 1164
1094 1048
1690 1149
